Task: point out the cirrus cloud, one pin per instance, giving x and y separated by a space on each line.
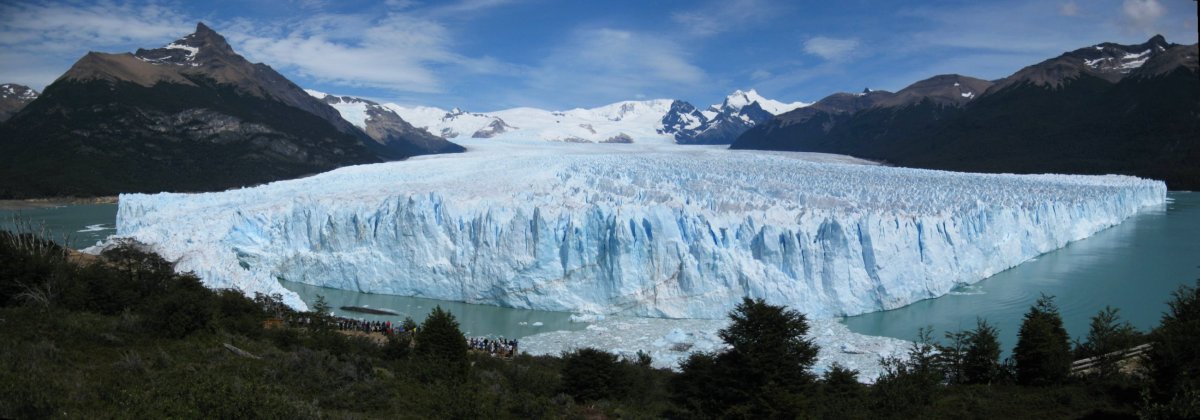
832 49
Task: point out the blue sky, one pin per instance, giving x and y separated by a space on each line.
486 55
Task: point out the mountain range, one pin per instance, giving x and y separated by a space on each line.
190 116
196 116
659 121
1106 108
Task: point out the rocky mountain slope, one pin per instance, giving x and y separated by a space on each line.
190 116
384 126
13 98
1107 108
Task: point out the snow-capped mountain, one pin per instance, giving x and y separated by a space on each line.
13 98
1107 61
384 126
454 123
738 99
660 120
722 123
621 122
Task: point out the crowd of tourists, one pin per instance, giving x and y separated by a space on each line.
500 347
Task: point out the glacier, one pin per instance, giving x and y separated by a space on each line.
639 230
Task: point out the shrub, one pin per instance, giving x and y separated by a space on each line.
589 374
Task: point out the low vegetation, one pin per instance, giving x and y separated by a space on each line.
126 336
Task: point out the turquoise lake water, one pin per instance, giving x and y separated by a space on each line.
1134 266
82 224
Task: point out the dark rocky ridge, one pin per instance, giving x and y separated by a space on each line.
192 116
1138 114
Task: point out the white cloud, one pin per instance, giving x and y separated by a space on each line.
718 17
1143 14
832 49
760 74
1069 8
603 65
39 41
398 52
465 7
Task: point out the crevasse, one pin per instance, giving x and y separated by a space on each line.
672 232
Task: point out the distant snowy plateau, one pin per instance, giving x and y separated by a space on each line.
658 231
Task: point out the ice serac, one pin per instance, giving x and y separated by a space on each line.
672 232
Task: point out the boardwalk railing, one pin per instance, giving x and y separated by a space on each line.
1121 357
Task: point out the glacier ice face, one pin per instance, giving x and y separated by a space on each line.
659 231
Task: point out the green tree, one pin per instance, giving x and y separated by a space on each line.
440 337
1043 351
1174 360
908 385
842 395
952 356
981 360
763 374
589 374
1107 337
408 325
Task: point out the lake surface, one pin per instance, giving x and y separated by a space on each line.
1134 266
474 320
81 224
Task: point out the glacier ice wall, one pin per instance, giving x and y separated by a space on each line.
663 232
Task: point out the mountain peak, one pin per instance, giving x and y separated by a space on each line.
1158 40
741 98
192 50
202 28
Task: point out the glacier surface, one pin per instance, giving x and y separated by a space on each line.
644 230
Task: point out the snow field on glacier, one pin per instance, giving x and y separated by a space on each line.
644 230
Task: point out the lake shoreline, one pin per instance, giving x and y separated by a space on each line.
50 202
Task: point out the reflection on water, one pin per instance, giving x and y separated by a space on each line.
474 320
1134 267
82 224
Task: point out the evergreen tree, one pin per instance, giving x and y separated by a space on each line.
589 374
769 342
842 395
1107 337
440 338
408 325
1174 359
763 374
909 385
1043 351
320 314
981 359
951 356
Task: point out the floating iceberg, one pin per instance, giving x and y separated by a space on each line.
657 231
